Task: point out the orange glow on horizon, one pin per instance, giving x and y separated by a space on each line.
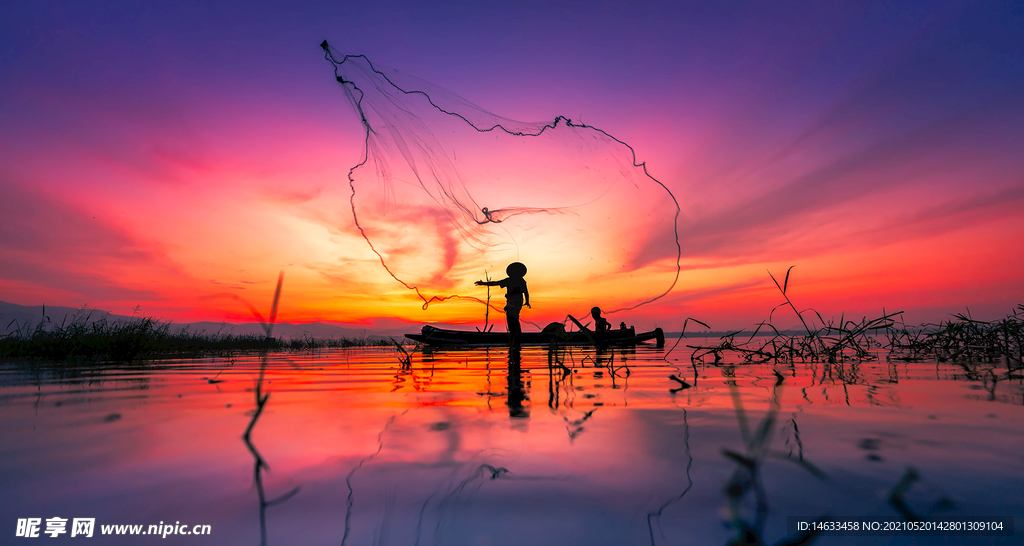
173 212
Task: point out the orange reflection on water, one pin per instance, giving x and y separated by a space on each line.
442 451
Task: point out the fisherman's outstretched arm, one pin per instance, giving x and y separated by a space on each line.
487 283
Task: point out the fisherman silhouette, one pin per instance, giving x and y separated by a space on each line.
601 324
516 294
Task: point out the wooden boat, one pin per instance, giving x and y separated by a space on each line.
463 338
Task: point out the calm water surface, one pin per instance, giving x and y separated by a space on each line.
464 447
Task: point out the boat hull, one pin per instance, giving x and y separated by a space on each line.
461 338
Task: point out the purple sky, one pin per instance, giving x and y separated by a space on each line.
149 148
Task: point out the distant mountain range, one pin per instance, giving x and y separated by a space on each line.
13 316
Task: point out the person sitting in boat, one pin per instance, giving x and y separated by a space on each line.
516 294
601 324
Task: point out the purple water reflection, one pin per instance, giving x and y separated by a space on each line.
440 452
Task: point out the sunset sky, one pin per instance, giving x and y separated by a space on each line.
169 156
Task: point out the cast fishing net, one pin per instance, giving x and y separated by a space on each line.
446 191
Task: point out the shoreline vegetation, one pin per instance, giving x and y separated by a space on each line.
961 337
958 338
82 337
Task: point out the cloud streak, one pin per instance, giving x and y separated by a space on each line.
212 143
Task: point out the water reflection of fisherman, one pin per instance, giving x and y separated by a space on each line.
516 388
516 294
601 324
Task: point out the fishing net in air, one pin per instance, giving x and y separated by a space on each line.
447 191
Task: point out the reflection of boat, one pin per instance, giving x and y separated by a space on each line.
463 338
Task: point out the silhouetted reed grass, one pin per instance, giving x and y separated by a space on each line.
964 338
82 337
745 489
959 338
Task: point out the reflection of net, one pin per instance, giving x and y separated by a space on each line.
447 190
